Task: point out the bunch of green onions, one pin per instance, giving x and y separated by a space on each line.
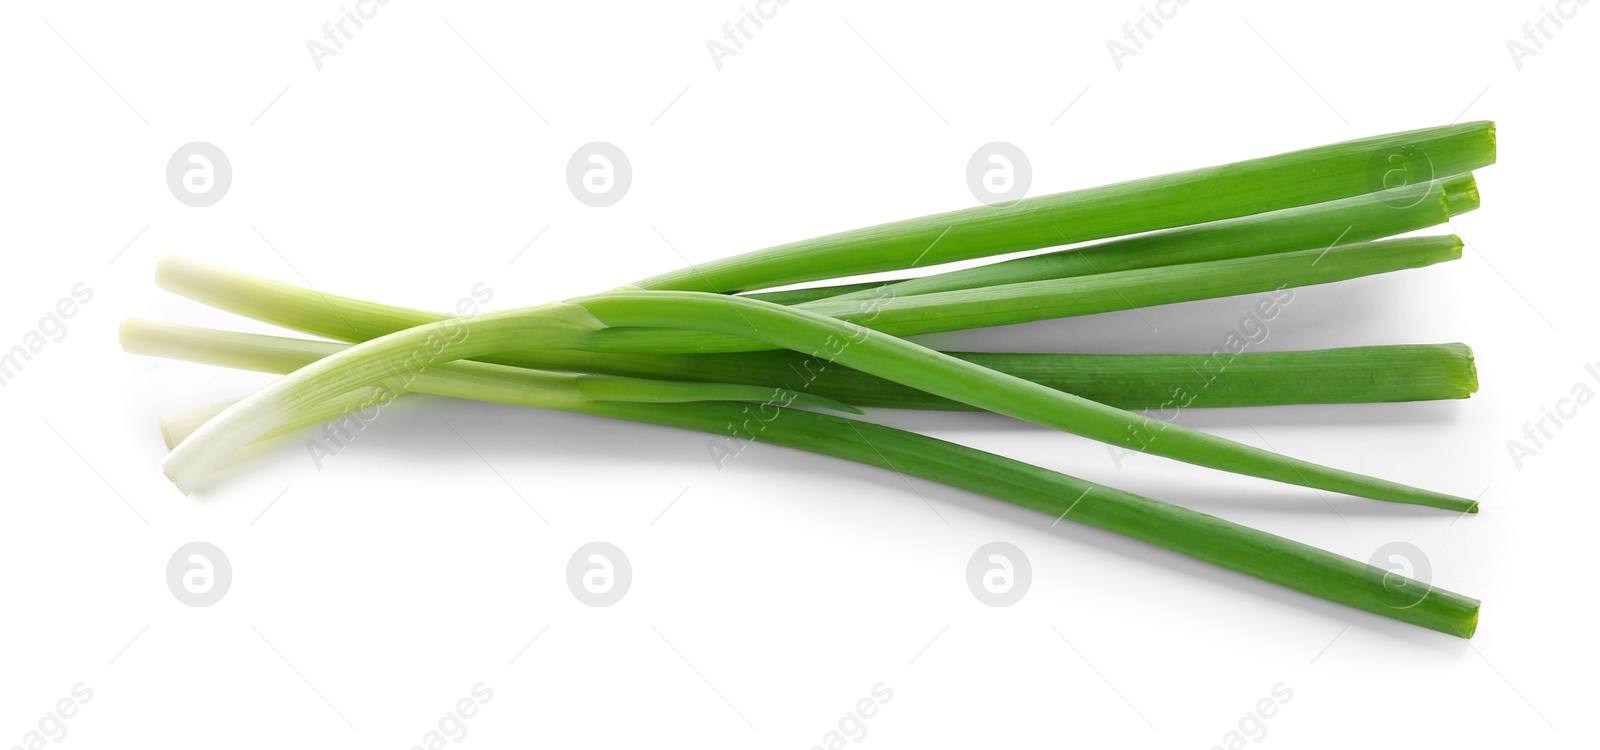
704 349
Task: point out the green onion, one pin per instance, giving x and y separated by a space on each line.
1297 178
1322 225
1270 558
1163 383
349 319
571 325
685 348
940 374
1166 383
1058 298
1126 381
1197 535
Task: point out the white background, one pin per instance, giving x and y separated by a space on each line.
769 596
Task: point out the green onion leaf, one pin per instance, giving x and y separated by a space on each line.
1298 178
1084 295
1265 556
1126 381
1321 225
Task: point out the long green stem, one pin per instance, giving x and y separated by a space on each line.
572 325
1297 178
1059 298
940 374
1223 543
1321 225
1232 546
350 319
1126 381
1164 383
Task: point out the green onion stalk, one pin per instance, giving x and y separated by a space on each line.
1203 537
1130 381
355 320
1298 178
577 323
1357 219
